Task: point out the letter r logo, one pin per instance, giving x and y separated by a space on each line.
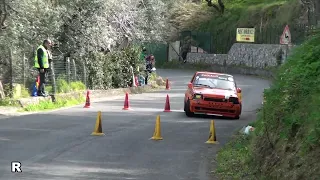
16 167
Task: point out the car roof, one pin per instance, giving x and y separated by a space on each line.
213 73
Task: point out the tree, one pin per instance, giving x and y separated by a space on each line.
25 22
80 26
187 15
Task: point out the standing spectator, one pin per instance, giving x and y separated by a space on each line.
150 61
41 62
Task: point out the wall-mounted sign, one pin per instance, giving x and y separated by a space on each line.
245 34
286 36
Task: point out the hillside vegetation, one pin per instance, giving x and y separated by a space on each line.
286 141
256 13
268 17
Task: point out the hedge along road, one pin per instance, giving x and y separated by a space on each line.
58 145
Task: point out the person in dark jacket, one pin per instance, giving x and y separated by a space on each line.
41 62
150 61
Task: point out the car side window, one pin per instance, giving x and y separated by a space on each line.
192 79
196 80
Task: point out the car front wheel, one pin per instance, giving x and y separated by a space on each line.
187 109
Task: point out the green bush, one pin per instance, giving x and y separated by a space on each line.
77 86
8 102
286 141
62 86
25 92
49 89
153 76
296 92
112 70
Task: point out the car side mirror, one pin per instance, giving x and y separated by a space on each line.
190 85
239 90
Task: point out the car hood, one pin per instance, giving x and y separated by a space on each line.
217 92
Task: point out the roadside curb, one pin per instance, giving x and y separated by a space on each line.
95 96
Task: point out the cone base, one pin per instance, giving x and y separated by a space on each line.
86 106
167 111
126 109
212 142
97 134
156 138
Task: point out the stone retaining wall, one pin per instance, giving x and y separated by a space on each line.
255 59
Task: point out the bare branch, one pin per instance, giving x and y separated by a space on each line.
3 14
219 8
210 4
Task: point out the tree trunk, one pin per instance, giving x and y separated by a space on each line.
2 95
317 11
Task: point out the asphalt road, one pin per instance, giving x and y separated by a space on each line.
58 145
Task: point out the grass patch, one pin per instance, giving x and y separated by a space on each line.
9 102
153 76
236 156
49 105
286 142
64 87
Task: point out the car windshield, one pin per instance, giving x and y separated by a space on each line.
214 82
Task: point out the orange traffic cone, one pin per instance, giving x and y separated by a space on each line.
167 106
167 85
87 105
126 105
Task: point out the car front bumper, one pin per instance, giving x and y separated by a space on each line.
226 109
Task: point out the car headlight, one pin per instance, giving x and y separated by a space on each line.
197 96
234 100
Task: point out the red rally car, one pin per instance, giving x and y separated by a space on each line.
212 93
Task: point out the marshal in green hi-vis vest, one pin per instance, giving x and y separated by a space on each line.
45 59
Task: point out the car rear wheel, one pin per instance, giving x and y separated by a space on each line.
187 109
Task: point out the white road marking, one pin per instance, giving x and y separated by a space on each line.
25 129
